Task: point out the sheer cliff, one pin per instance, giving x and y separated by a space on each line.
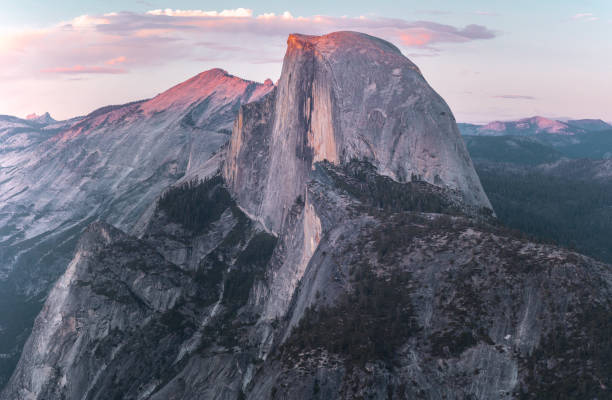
340 97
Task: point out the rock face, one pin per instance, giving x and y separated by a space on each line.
342 96
317 258
58 177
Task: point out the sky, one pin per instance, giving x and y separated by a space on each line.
490 60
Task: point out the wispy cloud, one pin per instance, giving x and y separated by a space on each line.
99 44
423 33
81 69
239 12
487 13
514 97
435 12
585 17
116 60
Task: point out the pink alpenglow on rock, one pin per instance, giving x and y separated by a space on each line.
343 96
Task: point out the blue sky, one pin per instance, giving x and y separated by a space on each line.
489 60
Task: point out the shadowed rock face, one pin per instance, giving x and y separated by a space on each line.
342 96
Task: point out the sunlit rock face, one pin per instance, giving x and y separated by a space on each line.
56 177
343 96
110 163
340 97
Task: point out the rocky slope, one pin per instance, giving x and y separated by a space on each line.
111 163
58 177
341 246
404 297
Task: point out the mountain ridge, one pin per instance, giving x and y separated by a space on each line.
535 126
56 179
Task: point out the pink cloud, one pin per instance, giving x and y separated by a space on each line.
116 60
80 69
416 38
424 34
94 44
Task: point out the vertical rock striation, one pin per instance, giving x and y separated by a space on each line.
340 97
343 96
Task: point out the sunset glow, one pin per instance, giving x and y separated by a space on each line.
488 62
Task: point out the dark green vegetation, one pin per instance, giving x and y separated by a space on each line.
573 212
367 324
196 204
593 145
564 202
531 150
250 265
20 310
511 149
557 370
360 180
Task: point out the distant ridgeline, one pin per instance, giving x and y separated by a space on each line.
556 186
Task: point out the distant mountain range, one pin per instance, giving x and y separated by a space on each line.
535 126
554 187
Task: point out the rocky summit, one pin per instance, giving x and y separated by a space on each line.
340 97
339 247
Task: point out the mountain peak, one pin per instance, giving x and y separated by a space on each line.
214 81
524 126
345 96
548 125
214 73
340 40
41 119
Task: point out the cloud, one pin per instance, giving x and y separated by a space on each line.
585 17
239 12
116 60
434 12
80 69
487 13
94 44
422 34
514 97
